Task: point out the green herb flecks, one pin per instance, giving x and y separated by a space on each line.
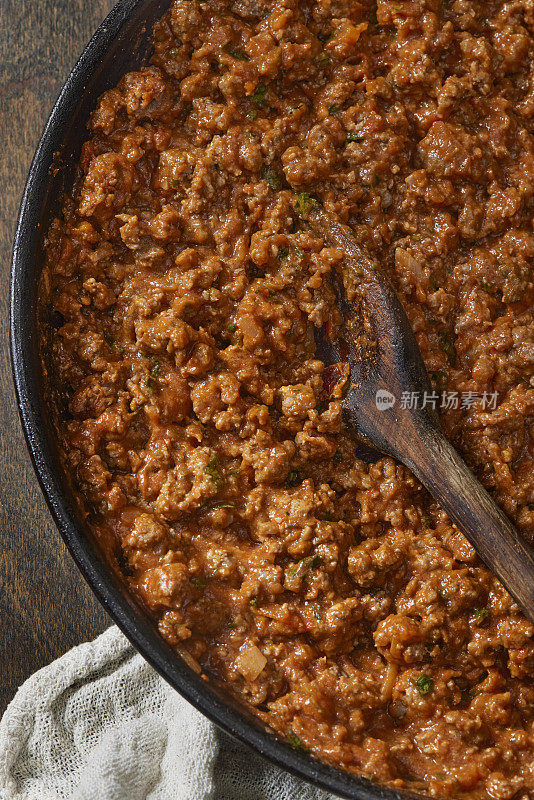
355 136
294 740
232 327
235 52
480 614
323 60
151 382
305 203
333 109
272 178
424 684
283 253
258 98
174 183
447 346
213 469
327 516
308 563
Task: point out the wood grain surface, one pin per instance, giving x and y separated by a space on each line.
45 606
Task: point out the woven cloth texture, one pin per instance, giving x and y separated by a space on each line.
100 724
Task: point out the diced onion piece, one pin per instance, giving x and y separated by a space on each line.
405 260
189 660
250 662
389 681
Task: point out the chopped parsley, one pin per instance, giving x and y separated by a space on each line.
283 253
232 327
294 740
480 613
424 684
235 52
214 471
258 98
355 136
447 346
272 177
323 60
304 203
174 183
310 562
252 114
333 109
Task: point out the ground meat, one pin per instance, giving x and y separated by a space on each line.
205 437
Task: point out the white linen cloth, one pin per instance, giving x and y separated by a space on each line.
100 724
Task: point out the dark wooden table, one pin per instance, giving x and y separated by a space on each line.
45 606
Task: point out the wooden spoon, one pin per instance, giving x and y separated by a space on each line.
378 343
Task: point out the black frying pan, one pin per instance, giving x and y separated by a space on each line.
121 43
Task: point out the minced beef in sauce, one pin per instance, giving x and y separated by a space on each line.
333 596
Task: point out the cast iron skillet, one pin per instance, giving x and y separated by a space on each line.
121 43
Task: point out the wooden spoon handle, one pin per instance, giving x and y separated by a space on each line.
446 476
